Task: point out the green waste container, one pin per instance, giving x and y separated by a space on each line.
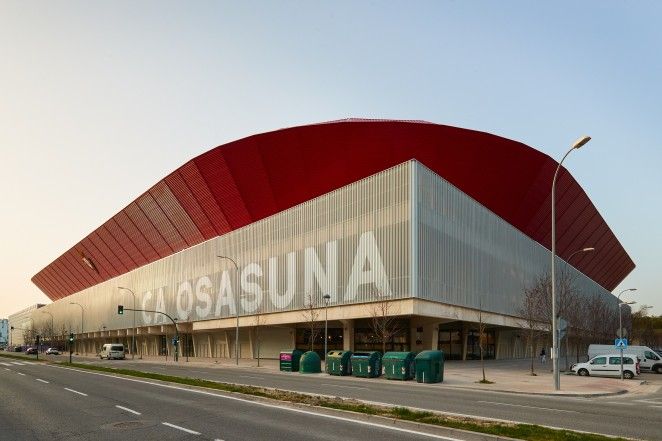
310 363
366 364
289 360
338 363
398 365
430 367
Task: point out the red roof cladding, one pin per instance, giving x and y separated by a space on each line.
239 183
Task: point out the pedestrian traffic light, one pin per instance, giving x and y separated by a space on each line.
71 337
120 309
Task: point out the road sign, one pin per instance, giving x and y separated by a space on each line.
621 343
562 328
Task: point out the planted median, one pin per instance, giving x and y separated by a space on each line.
511 430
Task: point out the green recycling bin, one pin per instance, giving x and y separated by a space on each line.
338 363
366 364
398 365
289 360
310 363
430 367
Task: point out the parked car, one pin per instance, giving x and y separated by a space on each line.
649 360
609 365
18 349
31 351
52 351
112 350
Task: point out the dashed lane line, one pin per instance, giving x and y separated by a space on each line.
75 391
128 410
43 381
528 407
20 373
17 363
183 429
279 407
5 364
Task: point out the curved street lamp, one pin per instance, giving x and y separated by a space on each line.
236 308
82 315
555 344
620 320
52 325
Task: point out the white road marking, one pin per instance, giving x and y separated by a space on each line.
128 410
75 391
20 373
7 369
5 364
277 406
43 381
529 407
655 401
340 385
621 403
183 429
18 363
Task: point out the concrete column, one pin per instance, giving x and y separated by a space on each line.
424 334
251 343
347 335
465 338
497 343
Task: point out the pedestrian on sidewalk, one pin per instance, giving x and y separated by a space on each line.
543 356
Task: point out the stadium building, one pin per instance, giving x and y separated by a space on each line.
432 224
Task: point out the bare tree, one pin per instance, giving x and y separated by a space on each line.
258 321
482 336
384 322
311 317
531 313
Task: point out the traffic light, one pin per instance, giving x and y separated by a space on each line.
71 337
120 309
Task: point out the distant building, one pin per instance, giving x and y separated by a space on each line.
23 324
4 332
440 223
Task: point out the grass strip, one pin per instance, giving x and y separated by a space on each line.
512 430
21 357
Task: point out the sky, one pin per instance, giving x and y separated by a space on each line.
100 100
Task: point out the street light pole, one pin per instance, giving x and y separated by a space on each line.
555 350
236 308
52 326
81 320
620 322
133 331
567 261
326 297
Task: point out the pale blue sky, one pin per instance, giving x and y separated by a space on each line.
98 101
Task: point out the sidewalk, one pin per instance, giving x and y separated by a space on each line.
512 376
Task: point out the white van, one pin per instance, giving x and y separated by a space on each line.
609 365
649 360
112 350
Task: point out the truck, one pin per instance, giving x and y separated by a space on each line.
650 361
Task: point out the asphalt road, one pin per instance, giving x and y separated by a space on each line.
48 402
631 416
